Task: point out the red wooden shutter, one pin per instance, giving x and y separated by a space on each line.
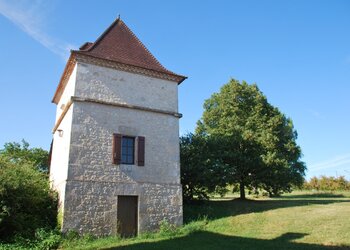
117 149
141 151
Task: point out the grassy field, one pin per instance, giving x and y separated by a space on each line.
300 220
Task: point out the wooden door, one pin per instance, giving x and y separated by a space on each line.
127 215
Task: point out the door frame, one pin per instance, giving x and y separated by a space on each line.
136 212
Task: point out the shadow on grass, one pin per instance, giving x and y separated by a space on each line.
224 208
208 240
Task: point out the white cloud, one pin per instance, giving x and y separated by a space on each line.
29 16
331 163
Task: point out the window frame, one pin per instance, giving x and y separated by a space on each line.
138 150
129 152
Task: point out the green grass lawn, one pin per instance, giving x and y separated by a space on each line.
300 220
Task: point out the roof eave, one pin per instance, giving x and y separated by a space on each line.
64 77
181 77
72 61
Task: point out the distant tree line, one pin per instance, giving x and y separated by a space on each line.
327 183
241 140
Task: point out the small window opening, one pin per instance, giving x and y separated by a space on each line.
128 149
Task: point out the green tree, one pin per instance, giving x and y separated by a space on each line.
257 143
21 153
26 201
281 154
201 173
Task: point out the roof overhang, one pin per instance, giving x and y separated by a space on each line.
77 56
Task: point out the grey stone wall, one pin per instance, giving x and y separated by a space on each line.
92 206
61 142
91 144
113 85
93 182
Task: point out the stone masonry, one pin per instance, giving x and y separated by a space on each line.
96 102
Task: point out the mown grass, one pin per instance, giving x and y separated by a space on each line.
300 220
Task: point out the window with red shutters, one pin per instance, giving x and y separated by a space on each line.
124 150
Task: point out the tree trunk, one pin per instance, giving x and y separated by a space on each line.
241 190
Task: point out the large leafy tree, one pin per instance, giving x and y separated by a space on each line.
22 153
256 142
201 172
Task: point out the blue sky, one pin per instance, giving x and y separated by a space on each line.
298 52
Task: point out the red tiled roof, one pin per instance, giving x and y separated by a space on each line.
85 46
118 43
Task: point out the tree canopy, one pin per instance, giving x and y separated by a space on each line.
256 143
22 153
201 171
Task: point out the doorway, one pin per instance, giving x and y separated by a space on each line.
127 215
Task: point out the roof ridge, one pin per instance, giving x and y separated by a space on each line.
147 50
119 43
99 39
117 47
103 34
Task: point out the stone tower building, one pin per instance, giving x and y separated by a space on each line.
115 152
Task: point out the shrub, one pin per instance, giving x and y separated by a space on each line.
47 239
167 229
26 201
71 235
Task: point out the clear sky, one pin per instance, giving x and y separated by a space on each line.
298 52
